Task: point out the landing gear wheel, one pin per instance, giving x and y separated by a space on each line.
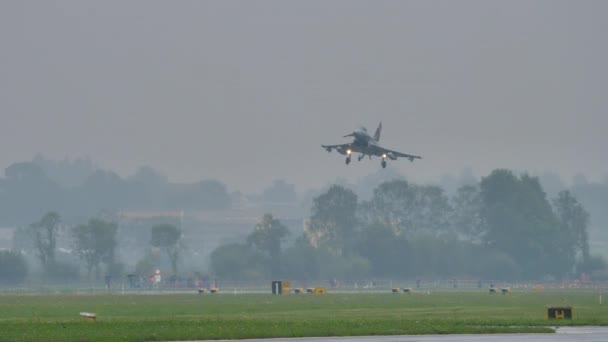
383 164
347 160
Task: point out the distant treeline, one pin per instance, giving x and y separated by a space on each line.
503 227
28 192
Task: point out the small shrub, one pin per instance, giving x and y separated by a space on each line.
13 268
63 271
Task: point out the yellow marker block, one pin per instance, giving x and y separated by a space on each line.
319 290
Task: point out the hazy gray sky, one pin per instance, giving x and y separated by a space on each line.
246 91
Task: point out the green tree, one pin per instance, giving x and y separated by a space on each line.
148 263
385 249
280 192
597 267
44 238
13 268
27 192
267 237
237 261
148 188
574 220
352 266
22 240
466 214
409 208
111 193
333 222
95 242
518 219
302 261
167 237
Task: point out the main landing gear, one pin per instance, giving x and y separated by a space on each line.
348 154
383 162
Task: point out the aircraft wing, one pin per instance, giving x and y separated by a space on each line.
341 148
394 154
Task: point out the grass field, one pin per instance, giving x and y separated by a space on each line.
229 316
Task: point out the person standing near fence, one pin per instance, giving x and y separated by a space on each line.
157 279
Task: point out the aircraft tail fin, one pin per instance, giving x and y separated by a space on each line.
378 132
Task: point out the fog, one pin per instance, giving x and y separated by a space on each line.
186 136
245 92
506 226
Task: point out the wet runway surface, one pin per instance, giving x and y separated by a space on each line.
572 334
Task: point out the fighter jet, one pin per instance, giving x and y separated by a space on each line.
367 145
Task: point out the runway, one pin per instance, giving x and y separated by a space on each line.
563 334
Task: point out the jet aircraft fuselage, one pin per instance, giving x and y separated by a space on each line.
366 144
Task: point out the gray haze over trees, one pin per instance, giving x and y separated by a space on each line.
231 100
502 226
27 191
